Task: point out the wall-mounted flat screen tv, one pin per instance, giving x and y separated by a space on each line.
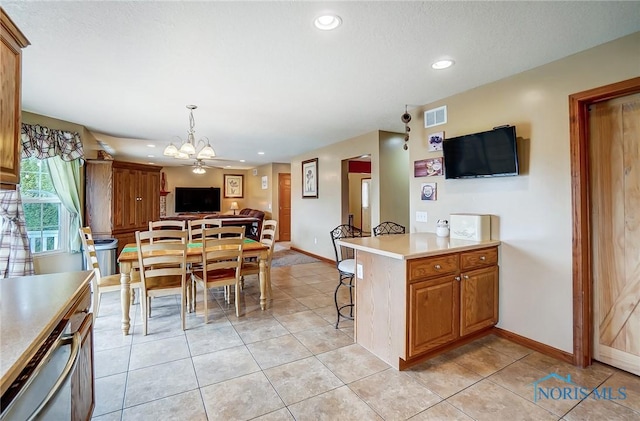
197 199
492 153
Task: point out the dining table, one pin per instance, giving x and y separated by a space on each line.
128 261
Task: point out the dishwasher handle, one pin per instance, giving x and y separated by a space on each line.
76 342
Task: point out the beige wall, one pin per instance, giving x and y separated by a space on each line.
532 212
394 186
312 219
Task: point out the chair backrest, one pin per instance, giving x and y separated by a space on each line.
90 254
388 227
268 235
222 257
196 227
168 224
162 258
340 232
223 232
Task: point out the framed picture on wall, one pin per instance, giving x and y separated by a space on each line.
265 182
310 179
233 185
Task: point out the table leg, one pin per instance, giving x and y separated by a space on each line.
125 295
263 283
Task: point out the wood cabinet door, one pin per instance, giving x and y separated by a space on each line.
478 300
433 313
125 199
10 109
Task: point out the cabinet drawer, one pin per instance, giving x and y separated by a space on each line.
479 258
433 266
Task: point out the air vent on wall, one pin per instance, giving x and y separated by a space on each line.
435 116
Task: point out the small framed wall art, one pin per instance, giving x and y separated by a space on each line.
428 191
233 185
435 141
265 182
310 179
428 167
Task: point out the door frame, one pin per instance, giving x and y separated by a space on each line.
580 201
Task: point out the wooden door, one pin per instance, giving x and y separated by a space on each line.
148 197
284 207
124 199
478 300
614 155
433 313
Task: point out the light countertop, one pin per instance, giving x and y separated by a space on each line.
32 306
414 245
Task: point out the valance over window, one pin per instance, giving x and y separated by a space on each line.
42 143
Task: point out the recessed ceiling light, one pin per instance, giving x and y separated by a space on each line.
260 153
150 156
151 146
442 64
327 22
242 160
152 163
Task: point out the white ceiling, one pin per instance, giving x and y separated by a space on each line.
265 79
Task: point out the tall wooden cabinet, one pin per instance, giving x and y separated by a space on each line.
121 198
13 41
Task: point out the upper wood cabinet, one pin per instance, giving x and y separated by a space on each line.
121 198
13 41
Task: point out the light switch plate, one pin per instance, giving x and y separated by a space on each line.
421 216
359 271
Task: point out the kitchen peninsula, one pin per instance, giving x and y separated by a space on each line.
418 294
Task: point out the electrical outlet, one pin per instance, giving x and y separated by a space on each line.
359 271
421 216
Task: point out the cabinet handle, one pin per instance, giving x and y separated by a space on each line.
483 258
457 278
438 267
465 276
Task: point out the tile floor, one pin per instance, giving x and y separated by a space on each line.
290 363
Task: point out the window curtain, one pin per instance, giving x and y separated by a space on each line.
15 254
63 153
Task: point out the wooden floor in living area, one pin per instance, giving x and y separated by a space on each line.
290 363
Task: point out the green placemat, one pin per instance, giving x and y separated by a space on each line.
190 245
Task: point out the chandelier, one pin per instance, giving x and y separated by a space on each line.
188 147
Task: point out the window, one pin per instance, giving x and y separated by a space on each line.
46 219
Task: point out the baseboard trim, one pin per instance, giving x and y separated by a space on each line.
535 345
315 256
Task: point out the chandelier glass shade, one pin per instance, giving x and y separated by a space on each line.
189 146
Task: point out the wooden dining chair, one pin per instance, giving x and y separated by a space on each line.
221 263
196 226
268 238
101 284
168 224
163 268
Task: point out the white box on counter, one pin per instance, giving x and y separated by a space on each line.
468 226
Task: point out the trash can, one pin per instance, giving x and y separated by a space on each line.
106 252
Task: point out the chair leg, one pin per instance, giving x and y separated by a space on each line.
339 308
184 301
206 305
237 299
144 301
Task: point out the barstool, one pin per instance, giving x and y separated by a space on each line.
388 227
346 264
